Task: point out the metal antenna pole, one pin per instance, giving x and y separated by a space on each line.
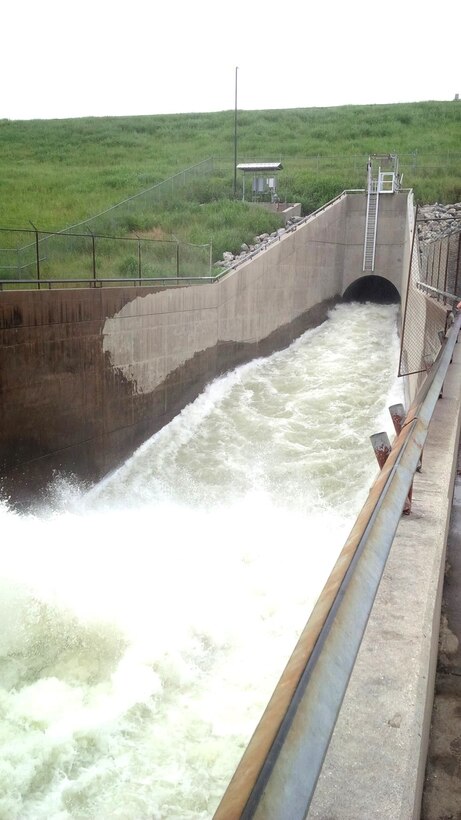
235 135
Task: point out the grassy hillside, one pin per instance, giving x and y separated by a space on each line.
56 173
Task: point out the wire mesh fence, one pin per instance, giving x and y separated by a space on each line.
97 249
441 263
315 178
115 244
134 212
435 273
33 258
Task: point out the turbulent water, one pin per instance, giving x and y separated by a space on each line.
145 622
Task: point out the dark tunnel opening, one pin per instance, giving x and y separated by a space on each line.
372 289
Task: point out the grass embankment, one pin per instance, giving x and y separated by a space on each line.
56 173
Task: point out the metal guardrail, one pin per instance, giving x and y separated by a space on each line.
278 773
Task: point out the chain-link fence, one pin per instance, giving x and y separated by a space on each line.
36 259
314 179
434 273
441 265
95 248
134 212
92 249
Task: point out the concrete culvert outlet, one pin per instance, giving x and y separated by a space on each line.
372 289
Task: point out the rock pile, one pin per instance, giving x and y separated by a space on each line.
438 220
259 243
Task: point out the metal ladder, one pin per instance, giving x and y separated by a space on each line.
382 178
371 226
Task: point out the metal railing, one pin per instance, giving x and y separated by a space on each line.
290 743
89 260
291 229
70 252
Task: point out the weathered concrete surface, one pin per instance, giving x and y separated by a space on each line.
442 788
70 404
392 239
375 765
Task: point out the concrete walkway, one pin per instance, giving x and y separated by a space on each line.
375 765
442 789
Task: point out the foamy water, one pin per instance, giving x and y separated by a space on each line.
145 622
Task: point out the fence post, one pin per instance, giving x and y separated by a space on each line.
93 249
447 256
177 260
37 254
139 260
458 260
439 287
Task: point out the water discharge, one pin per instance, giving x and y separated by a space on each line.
145 621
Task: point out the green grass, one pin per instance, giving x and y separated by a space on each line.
56 173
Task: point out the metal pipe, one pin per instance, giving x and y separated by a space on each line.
277 775
397 412
382 447
235 134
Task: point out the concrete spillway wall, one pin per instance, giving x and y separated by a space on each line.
88 374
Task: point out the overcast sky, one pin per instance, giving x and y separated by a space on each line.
95 58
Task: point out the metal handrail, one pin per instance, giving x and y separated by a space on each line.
299 224
100 282
450 297
283 760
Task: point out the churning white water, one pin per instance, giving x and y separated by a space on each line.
145 622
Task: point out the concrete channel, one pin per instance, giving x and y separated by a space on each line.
112 367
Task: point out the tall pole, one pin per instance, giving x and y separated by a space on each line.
235 134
